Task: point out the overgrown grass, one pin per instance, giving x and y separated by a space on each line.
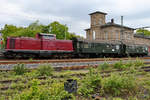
19 69
138 62
53 92
120 65
45 70
103 66
117 85
90 84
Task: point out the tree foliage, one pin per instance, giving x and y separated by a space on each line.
55 27
143 32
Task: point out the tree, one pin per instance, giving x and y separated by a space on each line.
60 30
55 27
29 31
9 30
143 32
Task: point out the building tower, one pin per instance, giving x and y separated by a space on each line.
97 19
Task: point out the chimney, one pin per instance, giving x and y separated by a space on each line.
112 20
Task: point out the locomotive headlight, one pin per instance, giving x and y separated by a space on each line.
117 47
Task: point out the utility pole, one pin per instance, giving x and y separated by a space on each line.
121 35
65 31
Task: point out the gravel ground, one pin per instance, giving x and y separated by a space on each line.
64 64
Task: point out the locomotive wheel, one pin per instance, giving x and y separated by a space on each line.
29 56
9 55
18 56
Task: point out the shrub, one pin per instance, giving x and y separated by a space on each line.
138 62
117 99
129 64
121 65
91 84
57 92
118 65
19 69
103 66
36 92
45 70
118 84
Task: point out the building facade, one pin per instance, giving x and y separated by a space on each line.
101 31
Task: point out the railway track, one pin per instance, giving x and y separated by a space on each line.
14 61
74 64
66 65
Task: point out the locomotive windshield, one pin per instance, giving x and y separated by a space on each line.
48 36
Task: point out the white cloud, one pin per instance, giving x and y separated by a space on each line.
74 13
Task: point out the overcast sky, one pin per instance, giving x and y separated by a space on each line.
74 13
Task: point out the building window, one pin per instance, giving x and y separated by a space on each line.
94 23
106 35
93 35
128 36
100 21
117 34
125 35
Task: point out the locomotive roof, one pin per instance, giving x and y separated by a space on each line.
111 42
98 41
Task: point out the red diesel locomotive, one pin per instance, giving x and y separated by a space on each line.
44 45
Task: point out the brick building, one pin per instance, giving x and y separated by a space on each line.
107 32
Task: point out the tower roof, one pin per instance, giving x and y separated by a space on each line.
98 12
116 25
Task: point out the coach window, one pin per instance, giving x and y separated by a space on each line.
78 45
93 45
90 45
86 45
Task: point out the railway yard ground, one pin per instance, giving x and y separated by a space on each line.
97 79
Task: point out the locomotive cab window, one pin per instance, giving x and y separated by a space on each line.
48 36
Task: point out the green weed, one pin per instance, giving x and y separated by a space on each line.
103 66
53 92
45 70
91 84
118 84
19 69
